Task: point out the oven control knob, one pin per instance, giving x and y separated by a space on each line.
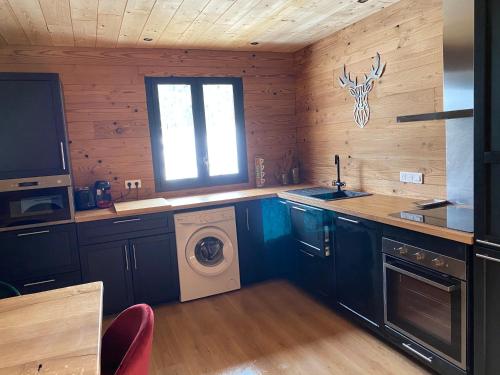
419 256
438 262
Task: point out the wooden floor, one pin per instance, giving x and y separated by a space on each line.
270 328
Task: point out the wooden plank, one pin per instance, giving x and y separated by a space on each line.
30 16
109 21
58 331
185 15
135 17
84 17
57 16
10 28
409 37
159 19
143 206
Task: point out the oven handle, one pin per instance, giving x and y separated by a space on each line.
423 279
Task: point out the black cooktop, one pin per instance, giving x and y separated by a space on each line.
453 217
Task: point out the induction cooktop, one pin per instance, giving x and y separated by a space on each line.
452 217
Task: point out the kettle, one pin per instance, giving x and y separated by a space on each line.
102 191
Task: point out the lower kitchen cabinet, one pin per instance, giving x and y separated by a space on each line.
109 263
154 269
358 268
314 273
486 311
138 266
250 242
41 258
141 270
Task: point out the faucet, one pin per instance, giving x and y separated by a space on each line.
338 183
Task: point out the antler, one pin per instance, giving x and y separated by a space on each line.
376 71
345 80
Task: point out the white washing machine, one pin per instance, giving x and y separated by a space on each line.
207 252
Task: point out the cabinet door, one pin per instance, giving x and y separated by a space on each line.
279 248
34 142
358 266
110 263
314 273
154 265
250 242
487 121
38 252
486 311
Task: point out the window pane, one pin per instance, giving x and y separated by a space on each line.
176 116
221 129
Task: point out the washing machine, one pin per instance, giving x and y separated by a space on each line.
207 252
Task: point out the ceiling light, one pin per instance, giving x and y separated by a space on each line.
148 39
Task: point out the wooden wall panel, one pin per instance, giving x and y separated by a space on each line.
106 111
408 36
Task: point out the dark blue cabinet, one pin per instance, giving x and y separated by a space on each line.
32 135
250 242
138 264
39 259
358 269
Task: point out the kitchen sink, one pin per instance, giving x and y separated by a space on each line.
327 194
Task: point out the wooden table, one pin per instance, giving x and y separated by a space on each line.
56 332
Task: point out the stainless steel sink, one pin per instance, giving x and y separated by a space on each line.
327 194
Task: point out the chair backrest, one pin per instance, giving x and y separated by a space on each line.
7 290
126 345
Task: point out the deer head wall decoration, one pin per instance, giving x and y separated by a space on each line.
360 92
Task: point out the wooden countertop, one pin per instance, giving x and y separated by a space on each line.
374 207
378 208
194 201
54 332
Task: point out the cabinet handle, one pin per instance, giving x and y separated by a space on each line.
126 220
299 208
282 202
482 256
414 351
248 223
348 220
135 258
487 243
306 253
62 156
40 282
125 249
33 233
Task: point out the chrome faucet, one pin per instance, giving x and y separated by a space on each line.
338 183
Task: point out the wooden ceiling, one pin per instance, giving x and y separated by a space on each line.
276 25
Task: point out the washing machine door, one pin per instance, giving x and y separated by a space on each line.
209 251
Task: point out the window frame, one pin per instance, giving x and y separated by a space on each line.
204 179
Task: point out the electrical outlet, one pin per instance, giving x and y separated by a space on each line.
411 177
132 184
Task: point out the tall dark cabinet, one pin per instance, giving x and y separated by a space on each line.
32 130
487 189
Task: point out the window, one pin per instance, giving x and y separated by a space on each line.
197 131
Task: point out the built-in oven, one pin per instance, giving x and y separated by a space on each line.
33 202
425 298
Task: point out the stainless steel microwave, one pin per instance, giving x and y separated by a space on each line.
34 202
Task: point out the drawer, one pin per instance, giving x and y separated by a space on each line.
41 284
37 252
122 228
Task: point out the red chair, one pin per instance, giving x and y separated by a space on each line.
126 345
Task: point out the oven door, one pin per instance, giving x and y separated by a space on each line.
427 307
32 207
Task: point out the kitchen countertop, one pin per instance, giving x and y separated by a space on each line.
373 207
56 332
